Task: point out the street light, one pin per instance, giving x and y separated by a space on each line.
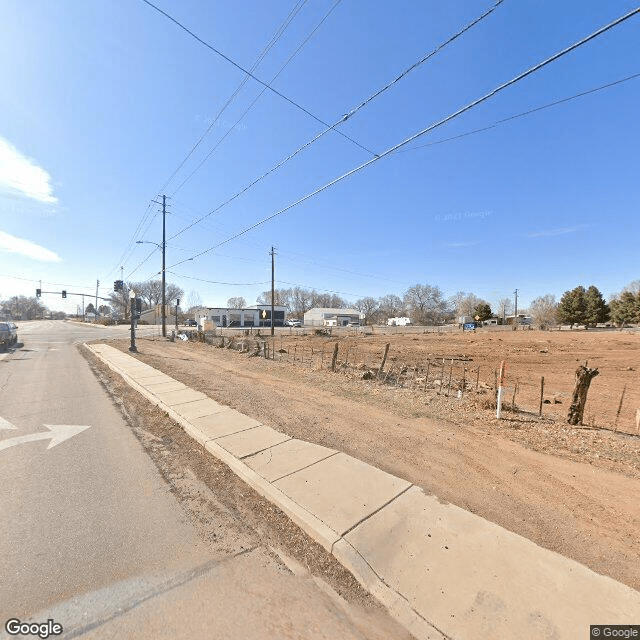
132 296
164 311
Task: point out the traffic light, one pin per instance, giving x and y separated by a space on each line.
64 293
118 285
178 302
38 293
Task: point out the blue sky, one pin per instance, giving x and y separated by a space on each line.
102 101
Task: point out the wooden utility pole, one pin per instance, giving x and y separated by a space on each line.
273 289
164 244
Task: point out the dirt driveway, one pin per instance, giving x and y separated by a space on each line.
588 511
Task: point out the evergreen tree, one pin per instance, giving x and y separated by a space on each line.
572 308
626 308
483 311
597 310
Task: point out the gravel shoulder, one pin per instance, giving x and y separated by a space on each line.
523 475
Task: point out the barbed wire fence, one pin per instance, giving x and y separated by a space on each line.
526 396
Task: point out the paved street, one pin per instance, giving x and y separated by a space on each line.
92 536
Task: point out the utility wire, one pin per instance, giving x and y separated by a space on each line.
343 118
236 284
292 14
251 75
237 122
424 131
524 113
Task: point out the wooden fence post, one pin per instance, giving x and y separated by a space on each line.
335 357
450 374
441 376
384 359
541 395
615 425
426 378
477 378
584 375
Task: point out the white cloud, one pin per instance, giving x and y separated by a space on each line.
458 245
21 174
554 232
26 248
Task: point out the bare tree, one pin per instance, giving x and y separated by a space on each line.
282 298
466 303
426 303
368 306
503 308
194 299
544 311
390 306
236 303
24 308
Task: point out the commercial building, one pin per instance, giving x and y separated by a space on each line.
327 317
258 316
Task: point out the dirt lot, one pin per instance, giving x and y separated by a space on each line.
572 490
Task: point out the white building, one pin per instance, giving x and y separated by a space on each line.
258 316
327 317
399 322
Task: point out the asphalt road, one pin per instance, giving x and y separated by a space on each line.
92 537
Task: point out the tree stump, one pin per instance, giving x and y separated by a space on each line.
584 375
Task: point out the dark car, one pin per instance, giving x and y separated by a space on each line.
8 334
191 323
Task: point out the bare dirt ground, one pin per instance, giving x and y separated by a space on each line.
233 518
575 491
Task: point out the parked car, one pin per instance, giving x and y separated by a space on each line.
191 323
8 334
293 322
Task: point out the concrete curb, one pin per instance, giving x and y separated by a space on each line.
312 526
418 556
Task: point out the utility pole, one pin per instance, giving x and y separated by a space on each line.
83 318
273 290
515 313
95 311
164 244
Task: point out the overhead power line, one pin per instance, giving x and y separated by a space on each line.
350 114
281 29
235 284
524 113
140 234
239 120
424 131
251 75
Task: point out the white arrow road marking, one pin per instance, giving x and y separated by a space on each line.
6 425
57 433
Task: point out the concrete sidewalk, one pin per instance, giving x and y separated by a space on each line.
441 571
